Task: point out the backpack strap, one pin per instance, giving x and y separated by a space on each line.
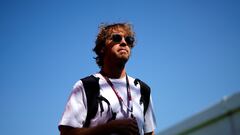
145 94
91 87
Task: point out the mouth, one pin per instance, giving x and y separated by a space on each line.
123 50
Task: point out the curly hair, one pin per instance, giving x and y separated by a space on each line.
105 31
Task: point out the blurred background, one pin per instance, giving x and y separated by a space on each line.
187 51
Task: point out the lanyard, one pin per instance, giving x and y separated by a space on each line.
129 106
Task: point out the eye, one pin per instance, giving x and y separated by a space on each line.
130 40
116 38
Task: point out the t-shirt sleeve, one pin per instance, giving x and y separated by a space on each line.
76 108
150 121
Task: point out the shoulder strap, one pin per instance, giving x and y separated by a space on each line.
91 87
145 94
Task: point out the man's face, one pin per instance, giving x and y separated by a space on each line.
117 49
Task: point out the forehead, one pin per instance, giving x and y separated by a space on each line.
120 30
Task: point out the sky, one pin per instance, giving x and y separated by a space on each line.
187 51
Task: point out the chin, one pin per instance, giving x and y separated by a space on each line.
124 56
124 59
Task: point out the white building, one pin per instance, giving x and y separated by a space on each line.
222 118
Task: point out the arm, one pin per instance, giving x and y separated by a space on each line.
122 127
150 121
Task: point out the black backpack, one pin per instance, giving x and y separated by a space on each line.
91 86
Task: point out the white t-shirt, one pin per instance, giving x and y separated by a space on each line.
76 109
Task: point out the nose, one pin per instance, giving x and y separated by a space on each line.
123 42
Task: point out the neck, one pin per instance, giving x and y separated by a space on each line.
113 72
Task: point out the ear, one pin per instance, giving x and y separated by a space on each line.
102 51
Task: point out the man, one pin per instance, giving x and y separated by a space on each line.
121 112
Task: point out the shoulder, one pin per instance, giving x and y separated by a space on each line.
78 84
90 82
138 81
82 80
77 90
